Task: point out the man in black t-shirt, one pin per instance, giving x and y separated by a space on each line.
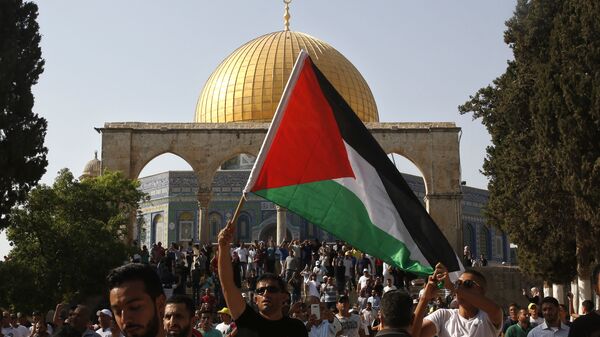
588 325
396 314
270 295
512 319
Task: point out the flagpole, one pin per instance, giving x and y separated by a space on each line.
237 209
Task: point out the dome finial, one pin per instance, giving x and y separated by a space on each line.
286 15
96 154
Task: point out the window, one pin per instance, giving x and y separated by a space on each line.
186 226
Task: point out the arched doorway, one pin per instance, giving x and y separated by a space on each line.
171 185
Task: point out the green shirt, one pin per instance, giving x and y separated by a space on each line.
517 331
211 333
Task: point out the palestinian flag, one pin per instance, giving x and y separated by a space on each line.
319 161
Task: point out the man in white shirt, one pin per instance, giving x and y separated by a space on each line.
227 326
105 322
534 317
7 329
19 329
352 324
326 325
313 286
362 281
476 316
242 252
388 286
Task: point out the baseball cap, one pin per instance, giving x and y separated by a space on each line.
225 310
531 305
105 312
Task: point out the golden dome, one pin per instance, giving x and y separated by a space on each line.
248 84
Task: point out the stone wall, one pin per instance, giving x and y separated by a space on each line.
505 285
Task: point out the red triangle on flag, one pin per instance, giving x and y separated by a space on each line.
307 146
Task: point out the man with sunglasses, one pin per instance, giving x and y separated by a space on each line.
270 295
476 316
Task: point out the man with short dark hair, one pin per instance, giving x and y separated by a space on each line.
178 316
137 300
395 314
270 295
80 320
206 327
589 325
352 325
512 319
523 326
552 326
477 315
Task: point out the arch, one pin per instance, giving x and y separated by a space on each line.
159 229
432 147
169 156
415 165
484 242
407 166
469 238
244 222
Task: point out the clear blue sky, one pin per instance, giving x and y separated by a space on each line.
139 60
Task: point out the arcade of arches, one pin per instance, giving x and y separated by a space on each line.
432 147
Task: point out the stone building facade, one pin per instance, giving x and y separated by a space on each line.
171 213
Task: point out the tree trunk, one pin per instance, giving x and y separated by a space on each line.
547 289
584 286
559 293
575 293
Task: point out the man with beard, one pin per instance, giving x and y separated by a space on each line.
137 300
178 317
552 326
270 295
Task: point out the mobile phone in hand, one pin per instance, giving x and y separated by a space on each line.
315 309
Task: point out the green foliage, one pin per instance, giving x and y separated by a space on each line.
66 237
543 115
22 152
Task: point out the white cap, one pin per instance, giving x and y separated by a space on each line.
105 312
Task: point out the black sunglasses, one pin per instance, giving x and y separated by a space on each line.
466 283
272 289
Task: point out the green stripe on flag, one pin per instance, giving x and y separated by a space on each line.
337 210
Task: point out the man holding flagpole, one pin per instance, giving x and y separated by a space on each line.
270 295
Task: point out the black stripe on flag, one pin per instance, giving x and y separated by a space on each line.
424 231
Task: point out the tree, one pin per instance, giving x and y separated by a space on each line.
543 115
66 237
22 152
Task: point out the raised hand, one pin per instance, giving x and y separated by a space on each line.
441 275
225 237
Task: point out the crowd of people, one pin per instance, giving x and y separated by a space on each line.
297 289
